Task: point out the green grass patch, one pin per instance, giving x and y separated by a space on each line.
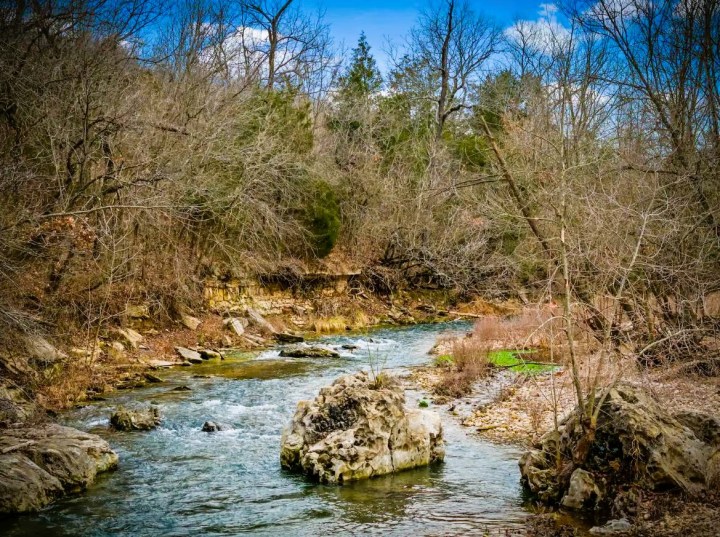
444 360
513 360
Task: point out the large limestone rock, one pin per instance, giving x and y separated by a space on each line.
38 465
356 429
636 442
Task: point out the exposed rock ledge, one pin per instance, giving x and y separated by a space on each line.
357 428
38 465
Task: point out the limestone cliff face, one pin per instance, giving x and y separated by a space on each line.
355 429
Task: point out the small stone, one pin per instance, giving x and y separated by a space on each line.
612 527
258 320
130 336
236 326
152 378
582 492
211 427
137 311
182 388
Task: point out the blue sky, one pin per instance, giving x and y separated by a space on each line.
391 19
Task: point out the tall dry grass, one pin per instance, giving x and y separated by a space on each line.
537 328
470 363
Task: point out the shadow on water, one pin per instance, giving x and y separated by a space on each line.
177 480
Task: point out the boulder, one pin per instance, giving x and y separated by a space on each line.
284 337
636 441
208 354
259 321
135 420
41 352
303 351
190 322
189 355
130 337
357 429
38 465
583 492
235 325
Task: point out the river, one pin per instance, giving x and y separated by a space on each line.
179 481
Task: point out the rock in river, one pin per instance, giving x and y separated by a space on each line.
636 441
40 464
135 420
356 429
305 351
211 427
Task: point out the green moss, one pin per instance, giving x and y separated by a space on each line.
513 360
444 360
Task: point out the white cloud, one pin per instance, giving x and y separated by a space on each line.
542 34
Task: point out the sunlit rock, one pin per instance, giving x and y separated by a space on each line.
357 428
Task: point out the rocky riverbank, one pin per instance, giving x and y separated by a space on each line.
41 463
665 423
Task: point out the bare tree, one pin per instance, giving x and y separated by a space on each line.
291 41
452 44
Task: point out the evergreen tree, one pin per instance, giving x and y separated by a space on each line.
362 77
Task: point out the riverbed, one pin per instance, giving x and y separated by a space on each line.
177 480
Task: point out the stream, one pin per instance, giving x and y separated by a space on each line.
177 480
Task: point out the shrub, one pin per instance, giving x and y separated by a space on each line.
471 363
322 217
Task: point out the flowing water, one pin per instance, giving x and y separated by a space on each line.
177 480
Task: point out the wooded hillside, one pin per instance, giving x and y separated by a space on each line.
147 146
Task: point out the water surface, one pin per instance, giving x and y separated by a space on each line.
179 481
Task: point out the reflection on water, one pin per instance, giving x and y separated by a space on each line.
177 480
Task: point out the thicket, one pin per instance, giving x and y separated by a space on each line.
144 146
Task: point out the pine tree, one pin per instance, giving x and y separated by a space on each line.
362 77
